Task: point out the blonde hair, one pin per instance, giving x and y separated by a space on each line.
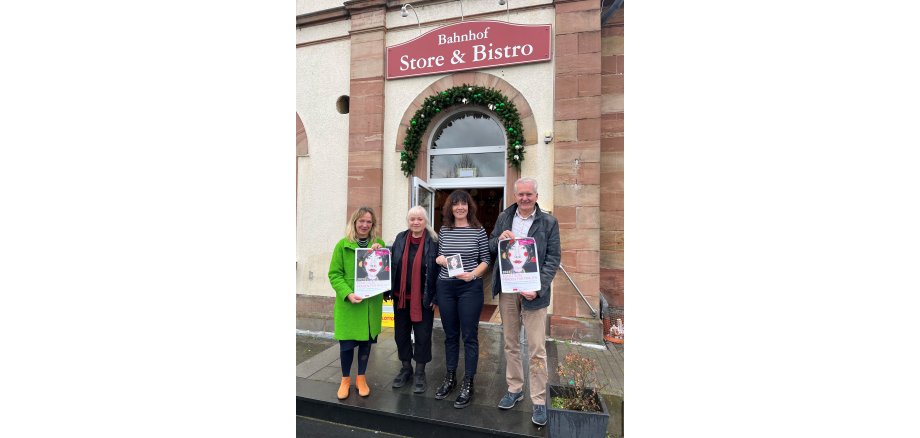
352 234
419 210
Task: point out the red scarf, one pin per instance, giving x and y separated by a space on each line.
415 300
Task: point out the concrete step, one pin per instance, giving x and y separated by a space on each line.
404 413
313 428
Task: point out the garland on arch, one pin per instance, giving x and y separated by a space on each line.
489 98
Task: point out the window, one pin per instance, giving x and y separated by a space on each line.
467 148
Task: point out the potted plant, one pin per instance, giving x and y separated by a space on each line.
575 407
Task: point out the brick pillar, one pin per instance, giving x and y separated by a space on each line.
365 116
612 159
577 169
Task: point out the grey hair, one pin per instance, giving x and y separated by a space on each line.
527 180
419 210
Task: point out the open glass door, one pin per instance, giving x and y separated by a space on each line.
423 194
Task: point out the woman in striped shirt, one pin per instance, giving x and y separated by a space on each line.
460 298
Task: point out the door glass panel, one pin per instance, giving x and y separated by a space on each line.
468 165
468 129
424 196
425 199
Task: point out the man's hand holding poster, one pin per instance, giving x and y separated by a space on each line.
519 267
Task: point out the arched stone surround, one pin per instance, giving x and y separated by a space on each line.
470 78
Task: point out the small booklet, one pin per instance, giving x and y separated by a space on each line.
519 266
372 271
454 265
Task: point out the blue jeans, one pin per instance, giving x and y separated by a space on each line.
460 304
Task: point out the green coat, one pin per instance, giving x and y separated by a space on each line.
352 321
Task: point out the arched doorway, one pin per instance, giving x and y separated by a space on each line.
442 165
466 150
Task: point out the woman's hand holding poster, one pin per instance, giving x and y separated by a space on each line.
454 265
519 267
372 271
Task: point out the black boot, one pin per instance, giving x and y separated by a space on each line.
450 381
421 384
466 393
404 375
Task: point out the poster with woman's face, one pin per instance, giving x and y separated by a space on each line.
519 265
372 271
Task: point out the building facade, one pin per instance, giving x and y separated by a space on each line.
355 119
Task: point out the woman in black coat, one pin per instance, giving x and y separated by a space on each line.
415 274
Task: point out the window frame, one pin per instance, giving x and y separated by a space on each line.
489 181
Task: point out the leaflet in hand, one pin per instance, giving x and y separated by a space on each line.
372 271
454 265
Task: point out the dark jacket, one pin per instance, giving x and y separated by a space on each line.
545 230
430 269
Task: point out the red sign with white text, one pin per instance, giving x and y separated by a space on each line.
469 45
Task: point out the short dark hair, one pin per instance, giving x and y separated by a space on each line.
456 197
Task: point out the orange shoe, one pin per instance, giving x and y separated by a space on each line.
344 388
361 383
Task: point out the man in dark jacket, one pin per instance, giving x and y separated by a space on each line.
528 307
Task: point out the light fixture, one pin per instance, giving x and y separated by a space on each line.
507 8
461 9
547 136
405 13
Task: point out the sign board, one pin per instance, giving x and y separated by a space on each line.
386 319
469 45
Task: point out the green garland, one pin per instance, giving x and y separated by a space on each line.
489 98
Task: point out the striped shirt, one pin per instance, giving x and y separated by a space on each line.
471 243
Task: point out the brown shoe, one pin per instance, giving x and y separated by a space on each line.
344 388
361 383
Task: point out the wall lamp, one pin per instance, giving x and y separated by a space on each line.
405 13
461 9
507 8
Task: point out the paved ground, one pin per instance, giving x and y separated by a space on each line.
309 346
609 358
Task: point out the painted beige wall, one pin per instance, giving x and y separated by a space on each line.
308 6
534 81
323 175
451 10
323 31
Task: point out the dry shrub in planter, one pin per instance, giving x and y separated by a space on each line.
576 407
580 373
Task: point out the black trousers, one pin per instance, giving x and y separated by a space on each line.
460 304
402 329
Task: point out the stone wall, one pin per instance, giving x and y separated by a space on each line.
577 178
612 74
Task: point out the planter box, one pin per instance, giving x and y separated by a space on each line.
581 424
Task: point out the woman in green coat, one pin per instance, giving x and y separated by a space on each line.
357 321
